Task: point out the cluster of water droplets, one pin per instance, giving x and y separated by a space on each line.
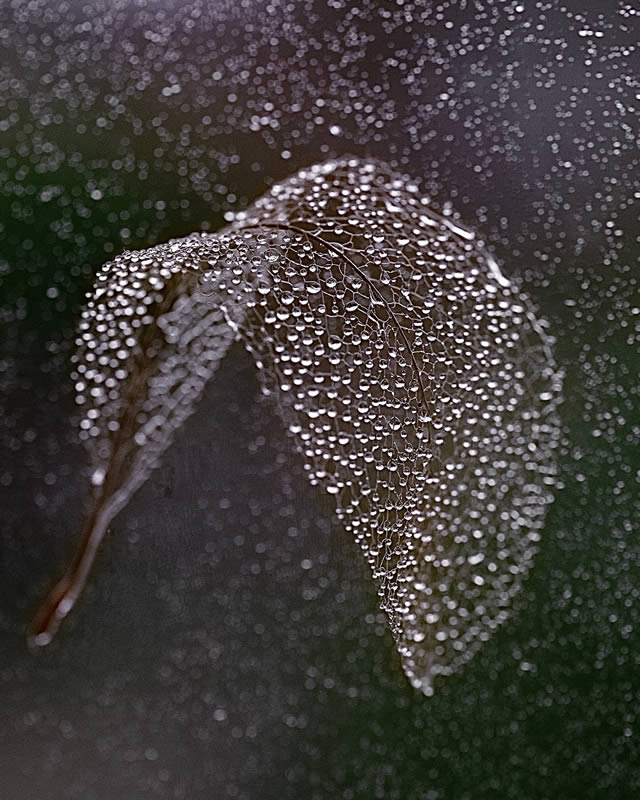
414 379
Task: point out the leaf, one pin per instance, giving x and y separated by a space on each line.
414 379
149 339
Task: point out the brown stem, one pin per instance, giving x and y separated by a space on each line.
62 597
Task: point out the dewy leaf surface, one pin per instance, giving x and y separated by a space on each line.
413 378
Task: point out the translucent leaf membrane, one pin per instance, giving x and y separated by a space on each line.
422 394
150 337
413 378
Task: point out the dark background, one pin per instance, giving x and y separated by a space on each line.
229 645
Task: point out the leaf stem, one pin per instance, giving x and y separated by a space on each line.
64 594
